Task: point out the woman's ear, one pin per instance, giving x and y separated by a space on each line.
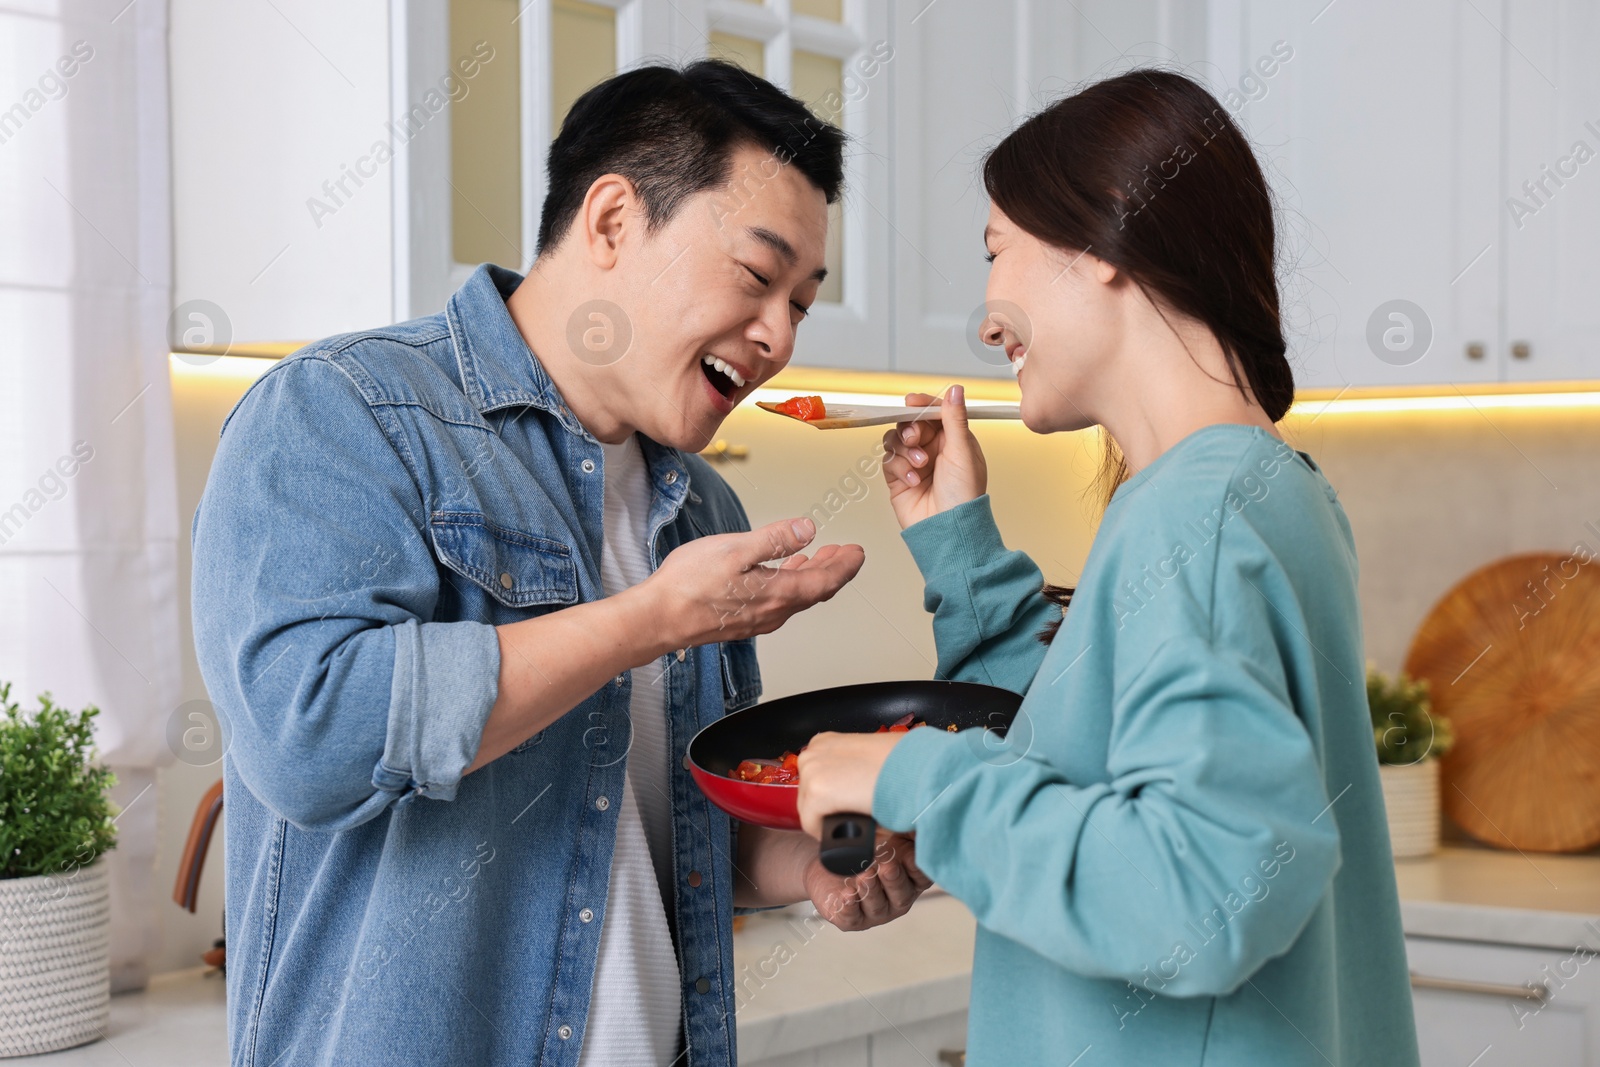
1104 273
603 216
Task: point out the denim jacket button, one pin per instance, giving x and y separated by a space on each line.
563 1031
505 580
602 803
586 915
702 985
588 466
683 654
672 477
694 879
619 679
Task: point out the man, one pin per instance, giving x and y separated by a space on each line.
463 592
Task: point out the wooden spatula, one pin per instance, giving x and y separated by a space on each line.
840 416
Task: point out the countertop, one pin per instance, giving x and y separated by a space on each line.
1480 894
799 978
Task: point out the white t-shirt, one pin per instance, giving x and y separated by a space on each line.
635 1009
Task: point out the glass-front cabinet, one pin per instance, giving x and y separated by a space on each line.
475 183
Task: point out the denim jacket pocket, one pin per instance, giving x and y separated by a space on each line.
741 678
516 569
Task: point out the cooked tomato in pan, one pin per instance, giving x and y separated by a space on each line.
785 770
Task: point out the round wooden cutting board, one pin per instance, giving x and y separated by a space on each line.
1512 655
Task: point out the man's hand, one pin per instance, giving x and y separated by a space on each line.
718 588
881 893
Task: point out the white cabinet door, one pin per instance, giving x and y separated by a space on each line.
1472 1008
1381 139
281 200
919 1044
964 74
1550 220
852 1053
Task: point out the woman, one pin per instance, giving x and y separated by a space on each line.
1178 853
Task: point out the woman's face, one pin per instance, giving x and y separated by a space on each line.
1057 315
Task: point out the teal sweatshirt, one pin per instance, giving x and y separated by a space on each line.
1178 853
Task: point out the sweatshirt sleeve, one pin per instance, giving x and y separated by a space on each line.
1201 857
986 600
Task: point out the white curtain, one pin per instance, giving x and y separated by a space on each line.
88 505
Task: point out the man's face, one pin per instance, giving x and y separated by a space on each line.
727 280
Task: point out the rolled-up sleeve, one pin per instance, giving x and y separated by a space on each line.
313 587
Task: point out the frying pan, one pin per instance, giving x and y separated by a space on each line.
766 730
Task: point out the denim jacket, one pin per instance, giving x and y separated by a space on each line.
379 502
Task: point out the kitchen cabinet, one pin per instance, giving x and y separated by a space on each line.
937 1041
963 75
810 995
1495 1004
1550 219
1380 134
352 167
856 1052
1439 221
1430 161
1502 951
274 107
836 56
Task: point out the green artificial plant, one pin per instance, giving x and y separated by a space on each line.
55 808
1404 726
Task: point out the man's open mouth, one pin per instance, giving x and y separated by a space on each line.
723 378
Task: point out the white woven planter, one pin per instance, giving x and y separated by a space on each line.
55 968
1411 797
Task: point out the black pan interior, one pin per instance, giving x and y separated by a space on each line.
766 730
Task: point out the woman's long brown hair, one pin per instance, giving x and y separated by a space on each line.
1148 172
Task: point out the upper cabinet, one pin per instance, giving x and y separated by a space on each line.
1550 214
836 56
1427 158
477 189
283 149
964 74
1379 132
1430 161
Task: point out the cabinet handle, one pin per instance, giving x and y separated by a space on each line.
1521 350
1537 991
1475 349
953 1057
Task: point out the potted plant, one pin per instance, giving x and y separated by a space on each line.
55 906
1410 740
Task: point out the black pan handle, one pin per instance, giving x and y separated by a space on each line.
849 841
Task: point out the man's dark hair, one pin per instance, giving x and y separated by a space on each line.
672 132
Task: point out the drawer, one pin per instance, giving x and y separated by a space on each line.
1483 1005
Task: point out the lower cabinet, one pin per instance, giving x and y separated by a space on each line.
938 1042
1492 1005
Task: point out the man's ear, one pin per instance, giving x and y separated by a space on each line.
608 208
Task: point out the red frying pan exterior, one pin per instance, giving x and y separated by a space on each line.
767 730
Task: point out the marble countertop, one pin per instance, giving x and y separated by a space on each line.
799 977
1482 894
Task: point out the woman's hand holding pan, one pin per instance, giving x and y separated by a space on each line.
933 465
